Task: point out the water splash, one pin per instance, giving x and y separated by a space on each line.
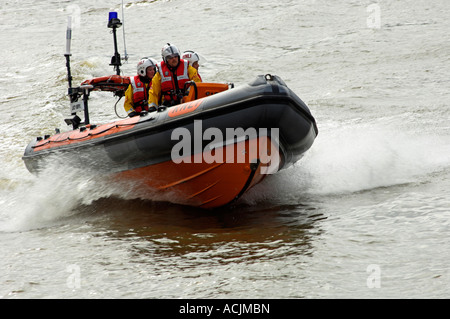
46 200
356 158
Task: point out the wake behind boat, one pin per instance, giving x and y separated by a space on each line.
205 152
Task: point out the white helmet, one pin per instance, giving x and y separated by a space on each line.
191 56
144 63
169 50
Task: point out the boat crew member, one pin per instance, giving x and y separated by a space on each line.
168 84
194 59
136 96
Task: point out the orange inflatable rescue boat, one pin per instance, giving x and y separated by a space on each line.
206 152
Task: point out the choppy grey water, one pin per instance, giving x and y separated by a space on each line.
365 214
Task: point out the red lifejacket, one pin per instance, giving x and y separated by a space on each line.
140 94
172 83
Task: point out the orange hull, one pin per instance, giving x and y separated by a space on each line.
203 184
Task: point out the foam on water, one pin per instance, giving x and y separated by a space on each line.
45 200
356 158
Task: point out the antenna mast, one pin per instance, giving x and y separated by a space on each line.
124 43
68 54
